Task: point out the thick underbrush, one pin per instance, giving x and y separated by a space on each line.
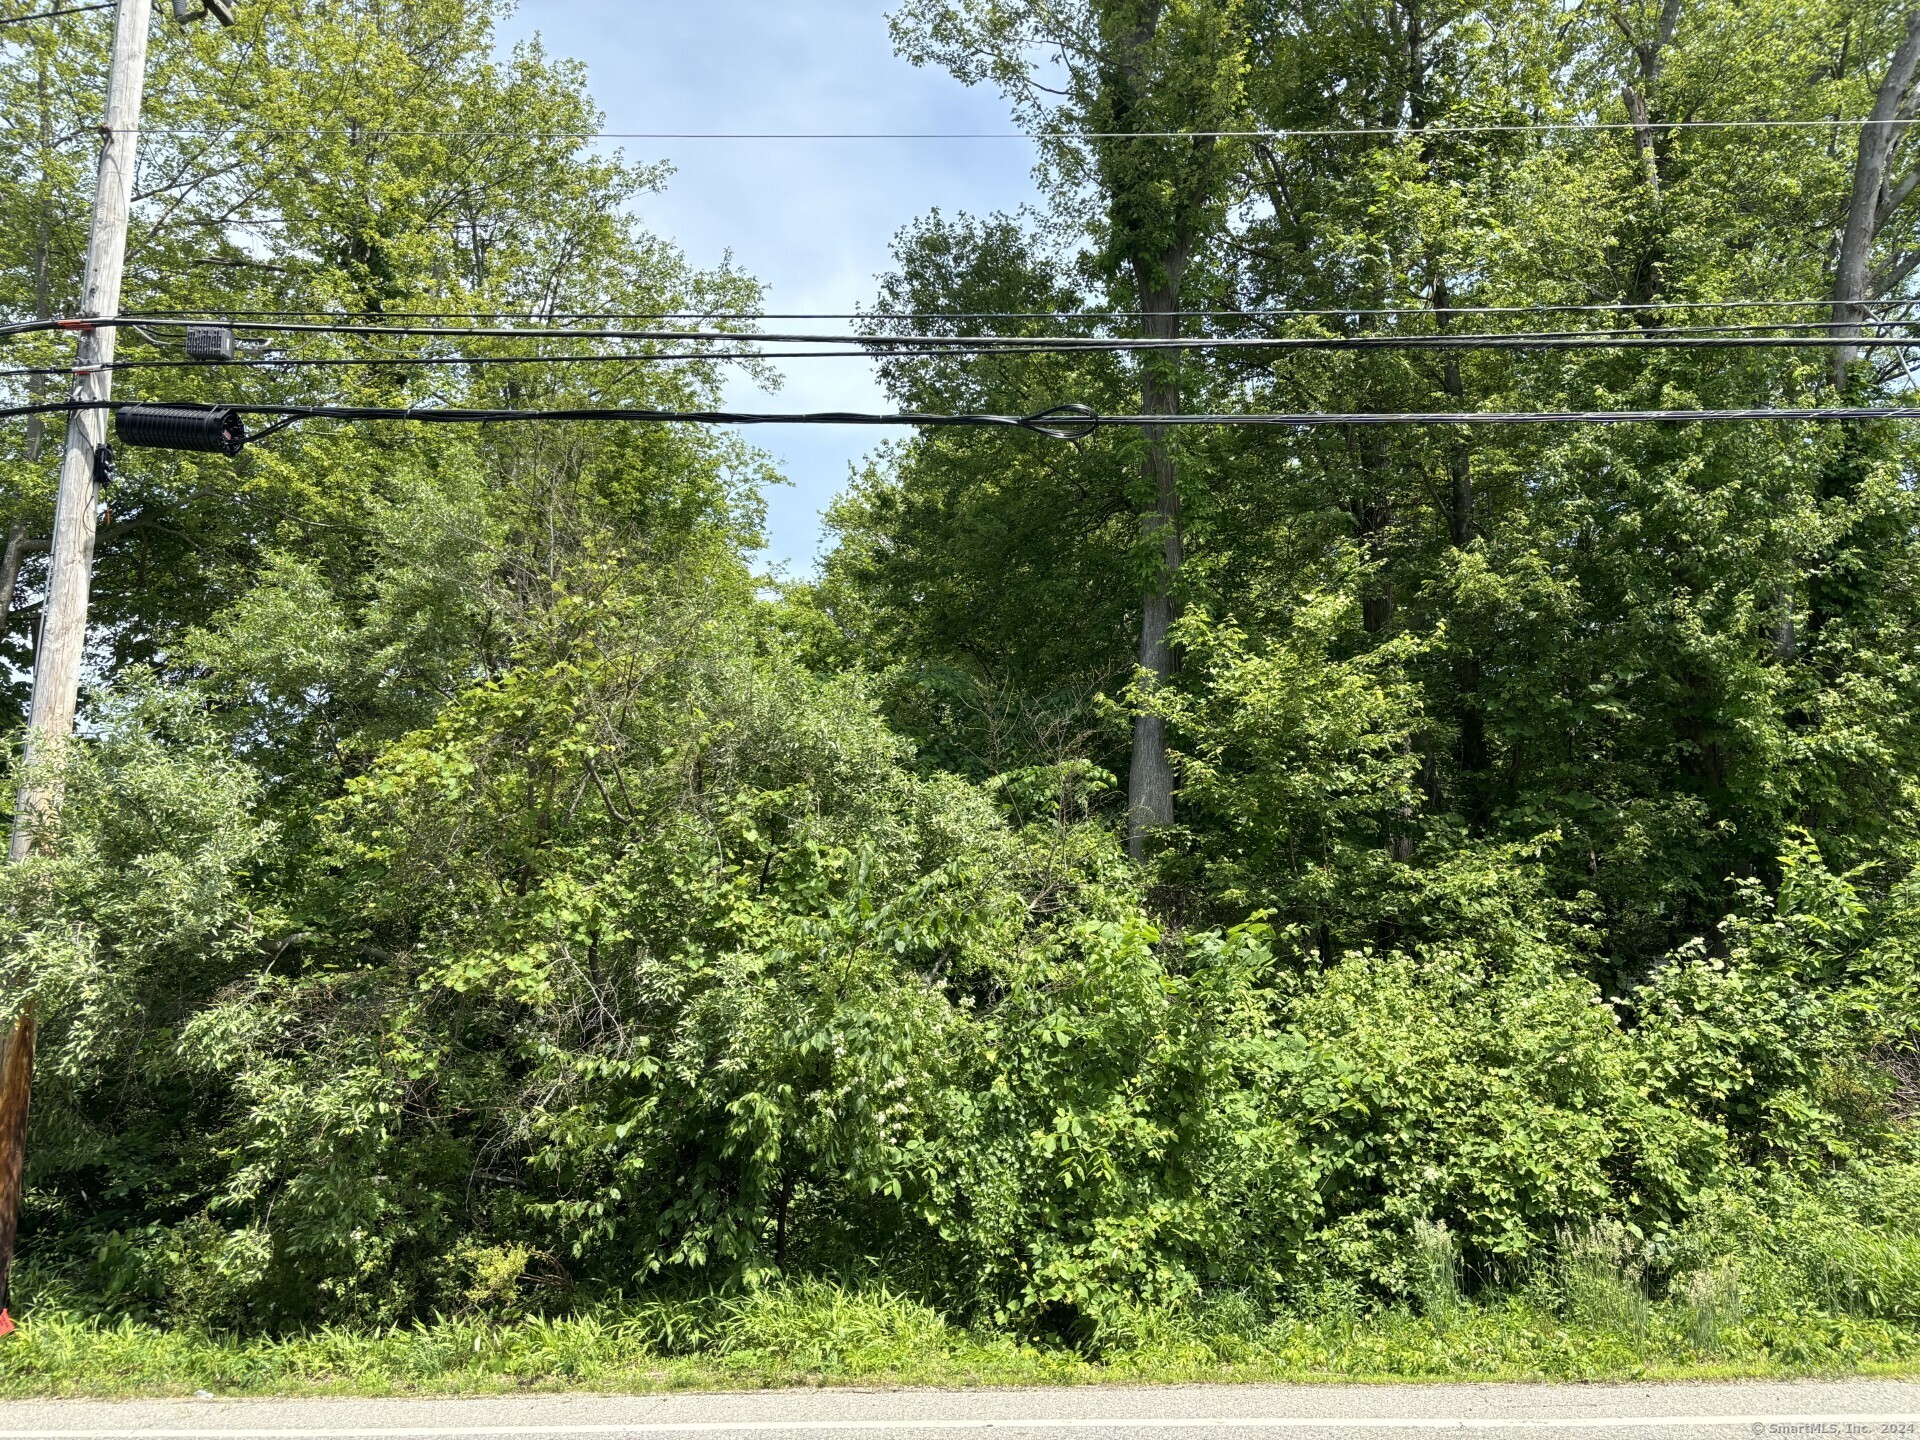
829 1019
1827 1286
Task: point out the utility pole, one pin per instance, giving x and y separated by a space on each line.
63 637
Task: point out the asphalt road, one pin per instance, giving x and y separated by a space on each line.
1233 1412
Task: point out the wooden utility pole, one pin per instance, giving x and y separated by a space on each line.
63 635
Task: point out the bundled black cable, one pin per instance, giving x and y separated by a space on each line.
219 428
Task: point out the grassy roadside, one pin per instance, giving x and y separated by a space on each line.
817 1335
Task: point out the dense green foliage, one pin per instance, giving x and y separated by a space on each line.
477 894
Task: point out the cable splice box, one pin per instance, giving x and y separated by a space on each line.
213 429
211 343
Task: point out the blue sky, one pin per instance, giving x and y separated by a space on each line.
811 219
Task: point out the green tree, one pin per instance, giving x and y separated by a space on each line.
1146 91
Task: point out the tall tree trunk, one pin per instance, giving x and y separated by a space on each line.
1158 255
1654 140
1462 524
1873 198
1833 577
42 310
1150 778
782 1208
10 570
1463 527
1786 637
16 1049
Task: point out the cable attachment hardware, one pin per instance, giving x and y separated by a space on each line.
103 465
1080 422
213 429
188 11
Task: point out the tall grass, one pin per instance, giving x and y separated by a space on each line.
1771 1281
1601 1327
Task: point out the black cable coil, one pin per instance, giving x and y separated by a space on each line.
216 429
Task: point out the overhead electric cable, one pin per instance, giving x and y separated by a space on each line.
1003 343
1063 421
380 362
1058 421
55 14
1621 307
1334 343
1378 132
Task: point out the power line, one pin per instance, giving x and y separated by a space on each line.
1063 422
362 362
1078 342
1621 307
1216 313
1335 343
993 347
404 361
54 14
1067 418
1018 344
325 322
1592 341
1379 132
